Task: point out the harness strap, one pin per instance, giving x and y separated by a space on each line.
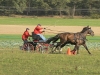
79 36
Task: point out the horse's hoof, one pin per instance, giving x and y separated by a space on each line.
90 54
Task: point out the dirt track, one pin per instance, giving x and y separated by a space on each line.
18 29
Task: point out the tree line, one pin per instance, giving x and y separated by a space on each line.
51 7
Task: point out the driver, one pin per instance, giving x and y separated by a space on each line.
39 30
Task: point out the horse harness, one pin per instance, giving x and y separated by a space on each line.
79 36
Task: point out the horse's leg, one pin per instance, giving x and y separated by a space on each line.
55 48
77 49
86 48
59 45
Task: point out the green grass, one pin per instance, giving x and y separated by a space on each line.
18 37
10 37
48 21
16 62
15 37
93 39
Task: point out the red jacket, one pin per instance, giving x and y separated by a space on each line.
25 35
38 30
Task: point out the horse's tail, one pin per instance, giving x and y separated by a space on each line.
56 38
53 39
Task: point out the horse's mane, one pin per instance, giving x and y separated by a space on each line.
85 29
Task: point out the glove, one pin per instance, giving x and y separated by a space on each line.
44 28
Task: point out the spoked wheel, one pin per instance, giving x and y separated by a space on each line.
55 50
52 48
30 47
39 48
42 47
45 47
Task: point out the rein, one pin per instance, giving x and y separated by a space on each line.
54 30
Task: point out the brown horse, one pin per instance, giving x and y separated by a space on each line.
76 39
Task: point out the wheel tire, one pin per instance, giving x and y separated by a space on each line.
30 47
52 48
40 49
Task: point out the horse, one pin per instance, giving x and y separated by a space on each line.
76 39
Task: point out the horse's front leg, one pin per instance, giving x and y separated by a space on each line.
86 48
77 49
62 43
74 50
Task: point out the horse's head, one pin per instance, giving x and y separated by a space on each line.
84 29
90 31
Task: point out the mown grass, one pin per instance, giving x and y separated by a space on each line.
16 62
48 21
10 37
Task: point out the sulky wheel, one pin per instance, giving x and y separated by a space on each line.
30 47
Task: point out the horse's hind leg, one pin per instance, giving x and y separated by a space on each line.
58 47
54 48
86 48
77 49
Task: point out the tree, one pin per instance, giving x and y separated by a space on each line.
89 6
73 5
48 7
19 5
6 6
11 6
58 5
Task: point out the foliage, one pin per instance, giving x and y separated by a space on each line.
49 7
13 6
20 5
95 16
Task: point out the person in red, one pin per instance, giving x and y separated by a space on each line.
25 36
39 30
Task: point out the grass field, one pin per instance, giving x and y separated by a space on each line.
17 62
49 21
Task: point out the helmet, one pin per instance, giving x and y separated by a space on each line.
27 29
39 24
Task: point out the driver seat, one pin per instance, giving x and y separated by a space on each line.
36 37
